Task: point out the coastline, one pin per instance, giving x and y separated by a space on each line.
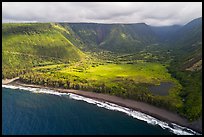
8 81
159 113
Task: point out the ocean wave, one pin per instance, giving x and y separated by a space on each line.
174 128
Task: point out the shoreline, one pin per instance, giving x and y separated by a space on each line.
159 113
8 81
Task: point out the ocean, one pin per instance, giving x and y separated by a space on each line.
31 111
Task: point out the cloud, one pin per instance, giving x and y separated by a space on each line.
156 13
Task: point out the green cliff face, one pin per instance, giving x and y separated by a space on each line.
34 44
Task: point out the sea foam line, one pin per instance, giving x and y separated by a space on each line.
176 129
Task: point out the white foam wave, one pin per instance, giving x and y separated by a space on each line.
176 129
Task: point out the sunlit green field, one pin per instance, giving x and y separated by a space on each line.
141 72
125 80
153 73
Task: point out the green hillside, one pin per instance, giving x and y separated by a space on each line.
35 44
187 66
120 38
189 34
133 38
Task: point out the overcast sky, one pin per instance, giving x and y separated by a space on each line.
155 14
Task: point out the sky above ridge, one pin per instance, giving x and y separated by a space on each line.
151 13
